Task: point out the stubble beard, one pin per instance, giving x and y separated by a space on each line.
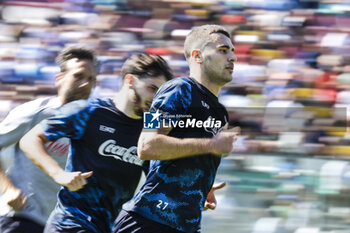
215 76
138 104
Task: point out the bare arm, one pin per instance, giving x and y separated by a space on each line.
33 146
11 194
157 145
5 181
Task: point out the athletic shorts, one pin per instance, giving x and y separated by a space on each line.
131 222
19 225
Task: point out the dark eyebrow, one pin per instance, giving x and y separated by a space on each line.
226 47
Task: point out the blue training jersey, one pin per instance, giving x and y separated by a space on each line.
103 140
175 190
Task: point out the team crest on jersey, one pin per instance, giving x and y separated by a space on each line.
214 129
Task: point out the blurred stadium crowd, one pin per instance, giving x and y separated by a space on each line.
293 57
290 93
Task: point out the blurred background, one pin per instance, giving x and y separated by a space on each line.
290 94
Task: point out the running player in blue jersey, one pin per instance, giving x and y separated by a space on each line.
29 195
185 155
103 169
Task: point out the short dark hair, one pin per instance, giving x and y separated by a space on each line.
200 36
145 65
79 52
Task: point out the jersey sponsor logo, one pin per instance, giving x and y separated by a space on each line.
110 149
107 129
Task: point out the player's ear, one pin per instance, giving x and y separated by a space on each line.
129 80
196 54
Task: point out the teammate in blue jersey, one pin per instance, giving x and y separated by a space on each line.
29 195
185 154
103 169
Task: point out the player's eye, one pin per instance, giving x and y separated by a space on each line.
79 76
223 51
153 88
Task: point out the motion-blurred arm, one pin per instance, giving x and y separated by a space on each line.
33 145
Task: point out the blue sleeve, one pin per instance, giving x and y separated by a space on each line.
173 97
70 121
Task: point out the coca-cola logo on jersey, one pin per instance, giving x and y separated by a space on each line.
110 149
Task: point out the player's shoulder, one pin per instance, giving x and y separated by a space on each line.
86 105
181 84
180 81
75 107
39 102
34 105
101 102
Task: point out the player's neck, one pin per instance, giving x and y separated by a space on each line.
204 80
122 102
62 100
